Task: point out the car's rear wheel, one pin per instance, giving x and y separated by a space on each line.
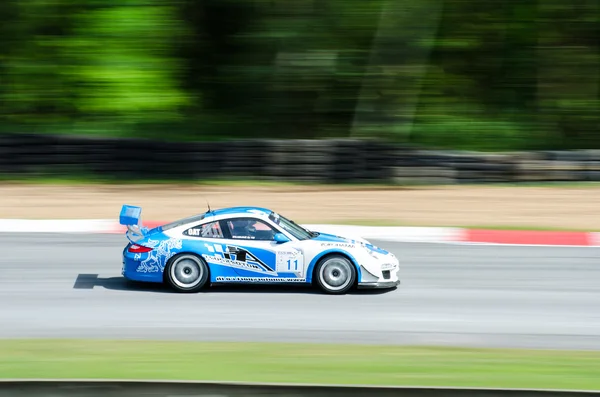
187 273
335 274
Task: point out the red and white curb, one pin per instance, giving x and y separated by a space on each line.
447 235
452 235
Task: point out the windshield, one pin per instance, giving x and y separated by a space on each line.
292 227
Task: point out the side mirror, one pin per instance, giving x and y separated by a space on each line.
280 238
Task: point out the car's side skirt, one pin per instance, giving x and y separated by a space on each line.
257 280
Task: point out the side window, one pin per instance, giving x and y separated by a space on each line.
250 229
208 230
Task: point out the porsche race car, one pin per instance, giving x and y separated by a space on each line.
250 245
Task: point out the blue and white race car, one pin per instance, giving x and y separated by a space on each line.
250 245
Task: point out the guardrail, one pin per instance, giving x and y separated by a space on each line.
133 388
330 161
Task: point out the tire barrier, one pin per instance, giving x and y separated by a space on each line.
319 161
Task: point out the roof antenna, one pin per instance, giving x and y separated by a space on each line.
208 205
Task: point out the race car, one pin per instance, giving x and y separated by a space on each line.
250 245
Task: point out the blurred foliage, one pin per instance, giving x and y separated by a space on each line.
456 74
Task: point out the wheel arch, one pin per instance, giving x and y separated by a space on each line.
310 272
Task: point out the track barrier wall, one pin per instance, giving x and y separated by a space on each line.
99 388
327 161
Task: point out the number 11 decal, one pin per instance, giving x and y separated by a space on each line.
295 262
290 261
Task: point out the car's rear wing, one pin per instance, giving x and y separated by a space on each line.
131 216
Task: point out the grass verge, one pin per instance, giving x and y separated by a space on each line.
304 363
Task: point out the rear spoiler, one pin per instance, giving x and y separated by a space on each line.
131 216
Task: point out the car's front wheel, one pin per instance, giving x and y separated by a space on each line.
187 273
335 274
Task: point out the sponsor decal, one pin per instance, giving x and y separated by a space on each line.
218 260
338 245
207 230
243 237
388 266
261 279
238 258
193 232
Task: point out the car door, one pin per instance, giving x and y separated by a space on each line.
249 247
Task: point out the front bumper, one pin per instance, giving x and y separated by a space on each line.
383 274
378 284
393 281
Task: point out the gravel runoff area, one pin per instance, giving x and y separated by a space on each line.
540 207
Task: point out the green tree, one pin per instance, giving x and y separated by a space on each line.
451 73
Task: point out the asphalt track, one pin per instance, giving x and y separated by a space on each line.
460 295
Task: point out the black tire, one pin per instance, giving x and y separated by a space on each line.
335 274
187 273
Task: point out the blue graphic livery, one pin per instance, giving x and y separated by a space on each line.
250 245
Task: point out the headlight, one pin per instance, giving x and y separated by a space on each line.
388 266
370 251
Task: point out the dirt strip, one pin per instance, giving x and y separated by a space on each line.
576 208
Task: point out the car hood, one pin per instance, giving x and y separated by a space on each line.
333 238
